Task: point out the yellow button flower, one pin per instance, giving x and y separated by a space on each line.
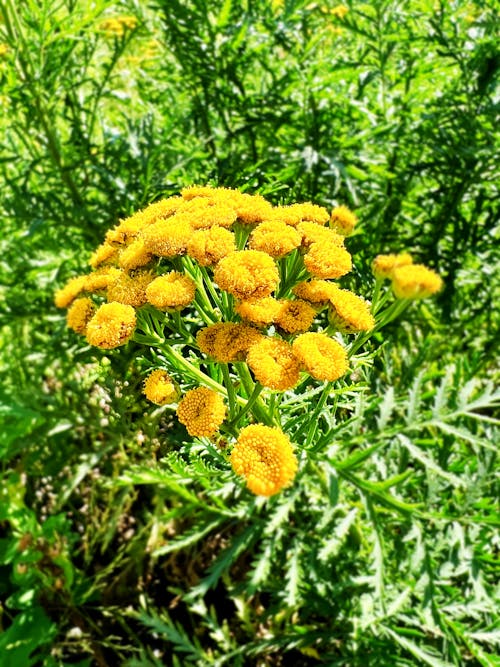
415 281
168 238
327 260
295 316
172 290
275 238
134 255
247 274
209 246
313 233
349 313
202 411
65 296
322 357
227 341
260 312
383 265
264 457
274 364
130 289
104 254
79 314
315 291
101 279
343 220
159 388
112 325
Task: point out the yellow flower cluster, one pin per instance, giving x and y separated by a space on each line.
260 278
264 457
409 280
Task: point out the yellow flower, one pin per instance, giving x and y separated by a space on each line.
340 11
327 260
65 296
209 246
313 233
167 238
322 357
130 227
415 281
260 312
273 363
134 255
251 209
112 325
103 254
159 388
264 457
247 274
275 238
295 316
118 26
79 314
130 289
4 50
349 313
315 291
204 213
101 279
227 341
343 220
202 411
383 265
172 290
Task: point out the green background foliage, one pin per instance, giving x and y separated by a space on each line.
121 541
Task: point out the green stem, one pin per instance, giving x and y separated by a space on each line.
248 405
231 394
179 362
259 409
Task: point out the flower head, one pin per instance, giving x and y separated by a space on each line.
104 254
349 313
159 388
260 312
172 290
169 237
383 265
112 325
313 233
264 457
204 213
275 238
327 260
274 364
247 274
227 341
202 411
322 357
343 220
209 246
130 289
134 255
415 281
315 291
65 296
79 314
295 316
101 279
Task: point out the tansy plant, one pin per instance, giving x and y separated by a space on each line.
240 304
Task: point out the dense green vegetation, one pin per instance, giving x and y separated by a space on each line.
122 541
